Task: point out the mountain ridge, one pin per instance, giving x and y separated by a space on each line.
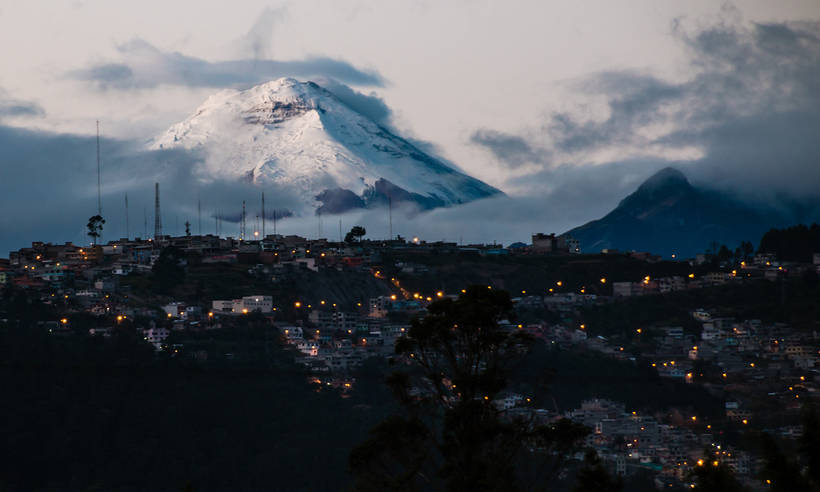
667 215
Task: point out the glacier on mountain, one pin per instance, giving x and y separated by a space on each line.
300 136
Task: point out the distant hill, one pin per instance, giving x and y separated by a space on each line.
667 215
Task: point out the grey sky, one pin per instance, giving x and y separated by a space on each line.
549 101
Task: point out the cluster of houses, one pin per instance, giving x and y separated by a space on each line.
760 266
631 441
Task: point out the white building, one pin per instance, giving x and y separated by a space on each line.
222 306
308 347
248 304
156 336
263 304
175 309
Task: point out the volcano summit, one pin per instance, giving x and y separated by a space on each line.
302 137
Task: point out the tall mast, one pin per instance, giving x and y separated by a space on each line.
99 191
127 225
242 225
157 214
390 215
199 214
263 215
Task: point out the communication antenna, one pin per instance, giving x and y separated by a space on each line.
199 214
390 215
127 225
242 226
99 187
319 215
340 230
263 215
144 223
274 221
157 215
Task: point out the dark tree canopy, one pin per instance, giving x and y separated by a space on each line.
712 475
796 243
593 477
168 271
452 435
355 234
802 471
95 227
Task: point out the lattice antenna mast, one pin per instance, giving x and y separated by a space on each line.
127 224
263 215
157 214
242 227
390 216
99 168
199 214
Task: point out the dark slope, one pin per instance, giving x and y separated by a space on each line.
666 215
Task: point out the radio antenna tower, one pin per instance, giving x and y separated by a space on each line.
99 191
242 226
390 215
274 221
199 214
127 225
157 215
263 215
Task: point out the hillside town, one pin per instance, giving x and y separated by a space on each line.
751 366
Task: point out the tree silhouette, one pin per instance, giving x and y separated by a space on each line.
593 477
95 227
784 473
168 271
452 435
355 234
711 475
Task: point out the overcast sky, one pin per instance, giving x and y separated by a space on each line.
565 106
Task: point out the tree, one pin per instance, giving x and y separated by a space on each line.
784 473
711 475
187 228
168 271
747 249
723 253
95 227
451 434
355 234
593 477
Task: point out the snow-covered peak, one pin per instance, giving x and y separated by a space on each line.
299 135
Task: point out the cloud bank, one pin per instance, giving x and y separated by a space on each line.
11 107
50 182
144 66
747 118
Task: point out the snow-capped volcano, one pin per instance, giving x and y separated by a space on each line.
301 136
